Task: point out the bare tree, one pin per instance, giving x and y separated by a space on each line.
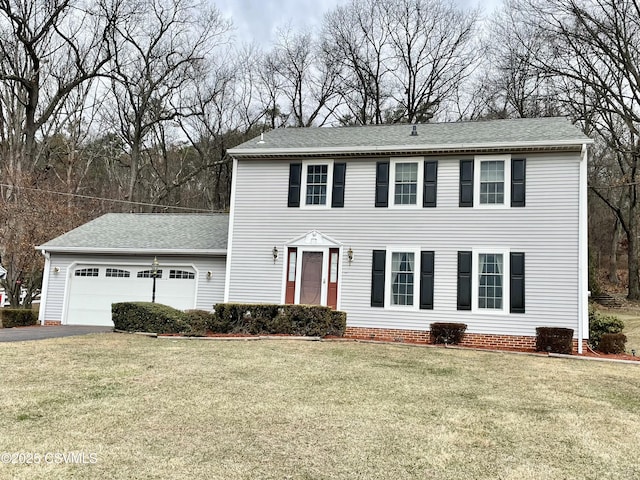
158 49
48 48
307 78
434 52
356 37
510 85
592 54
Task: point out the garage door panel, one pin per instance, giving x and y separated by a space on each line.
90 298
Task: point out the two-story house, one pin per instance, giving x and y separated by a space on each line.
400 226
483 223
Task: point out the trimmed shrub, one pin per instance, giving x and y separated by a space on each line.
612 343
197 321
17 317
265 319
148 317
556 340
600 324
448 333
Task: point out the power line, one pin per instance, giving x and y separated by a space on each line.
103 199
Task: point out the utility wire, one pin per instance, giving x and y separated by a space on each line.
89 197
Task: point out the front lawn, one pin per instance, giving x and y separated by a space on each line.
157 408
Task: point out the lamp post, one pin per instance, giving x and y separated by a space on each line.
154 274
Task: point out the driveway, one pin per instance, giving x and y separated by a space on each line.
37 332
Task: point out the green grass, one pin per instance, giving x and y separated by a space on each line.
155 409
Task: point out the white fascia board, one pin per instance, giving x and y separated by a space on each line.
578 143
129 251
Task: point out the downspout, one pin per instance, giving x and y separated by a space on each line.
45 287
232 208
583 254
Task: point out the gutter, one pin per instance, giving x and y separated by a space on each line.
436 148
144 251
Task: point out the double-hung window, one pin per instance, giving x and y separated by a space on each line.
317 184
406 184
492 177
402 278
317 178
490 281
406 176
492 182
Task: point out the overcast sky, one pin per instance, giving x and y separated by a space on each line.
259 19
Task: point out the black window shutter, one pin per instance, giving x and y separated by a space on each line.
464 280
295 182
466 183
382 184
426 280
518 182
337 195
429 196
517 282
377 278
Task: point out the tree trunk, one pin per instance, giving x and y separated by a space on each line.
613 258
634 267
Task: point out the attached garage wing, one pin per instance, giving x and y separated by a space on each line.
93 288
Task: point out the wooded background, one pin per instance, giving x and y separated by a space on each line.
131 105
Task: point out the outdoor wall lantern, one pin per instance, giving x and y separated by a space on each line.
274 252
154 274
350 255
56 269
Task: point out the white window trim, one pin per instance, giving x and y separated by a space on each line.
303 187
416 278
392 181
506 280
478 159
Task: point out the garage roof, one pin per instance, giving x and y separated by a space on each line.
149 233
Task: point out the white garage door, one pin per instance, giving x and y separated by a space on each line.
93 288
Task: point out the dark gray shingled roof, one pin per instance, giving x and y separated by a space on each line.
513 132
138 231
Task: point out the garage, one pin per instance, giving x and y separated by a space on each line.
112 258
93 288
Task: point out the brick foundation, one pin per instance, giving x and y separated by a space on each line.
51 323
475 340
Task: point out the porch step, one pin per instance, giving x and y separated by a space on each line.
607 300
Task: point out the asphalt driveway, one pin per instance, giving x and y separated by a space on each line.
37 332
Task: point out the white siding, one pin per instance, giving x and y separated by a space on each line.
209 290
546 230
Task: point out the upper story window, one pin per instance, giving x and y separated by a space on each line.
492 174
316 184
492 182
406 184
317 178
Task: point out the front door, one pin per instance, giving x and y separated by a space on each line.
311 278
